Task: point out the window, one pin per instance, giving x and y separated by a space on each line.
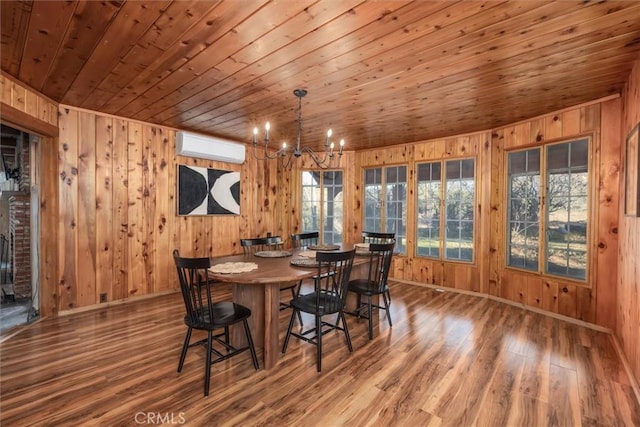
429 199
451 196
459 202
385 202
564 240
322 204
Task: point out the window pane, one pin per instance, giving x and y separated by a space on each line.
557 156
579 154
459 202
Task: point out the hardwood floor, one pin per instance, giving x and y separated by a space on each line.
450 359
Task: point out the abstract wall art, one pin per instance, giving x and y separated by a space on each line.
203 191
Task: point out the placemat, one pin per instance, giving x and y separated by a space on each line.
272 254
233 267
324 247
304 262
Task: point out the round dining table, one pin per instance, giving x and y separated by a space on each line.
259 290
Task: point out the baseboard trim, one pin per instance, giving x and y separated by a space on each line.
512 303
627 367
114 303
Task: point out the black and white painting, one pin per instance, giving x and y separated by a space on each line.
203 191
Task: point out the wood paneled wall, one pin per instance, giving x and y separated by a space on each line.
628 284
117 213
463 276
593 301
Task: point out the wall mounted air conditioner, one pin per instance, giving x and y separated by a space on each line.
211 148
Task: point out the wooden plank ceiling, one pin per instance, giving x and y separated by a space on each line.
378 72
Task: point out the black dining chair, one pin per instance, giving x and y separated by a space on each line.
301 240
251 246
329 296
203 313
374 284
376 237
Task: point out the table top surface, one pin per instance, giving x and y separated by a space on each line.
271 270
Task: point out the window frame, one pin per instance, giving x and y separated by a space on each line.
322 203
543 213
443 214
383 201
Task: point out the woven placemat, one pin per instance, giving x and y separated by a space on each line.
324 247
233 267
304 262
272 254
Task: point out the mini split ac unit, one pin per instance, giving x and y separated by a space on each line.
206 147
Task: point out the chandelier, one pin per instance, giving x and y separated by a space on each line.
286 154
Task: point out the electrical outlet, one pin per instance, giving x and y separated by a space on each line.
103 297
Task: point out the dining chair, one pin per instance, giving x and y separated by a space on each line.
251 246
270 243
301 240
376 237
329 296
374 284
203 313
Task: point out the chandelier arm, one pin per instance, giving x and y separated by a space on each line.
316 158
266 156
288 163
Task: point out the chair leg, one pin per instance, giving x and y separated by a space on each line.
226 335
207 367
286 338
185 347
346 330
319 343
251 347
386 305
370 317
293 295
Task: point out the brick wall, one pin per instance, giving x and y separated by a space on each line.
20 230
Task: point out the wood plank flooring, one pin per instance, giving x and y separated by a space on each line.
450 359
